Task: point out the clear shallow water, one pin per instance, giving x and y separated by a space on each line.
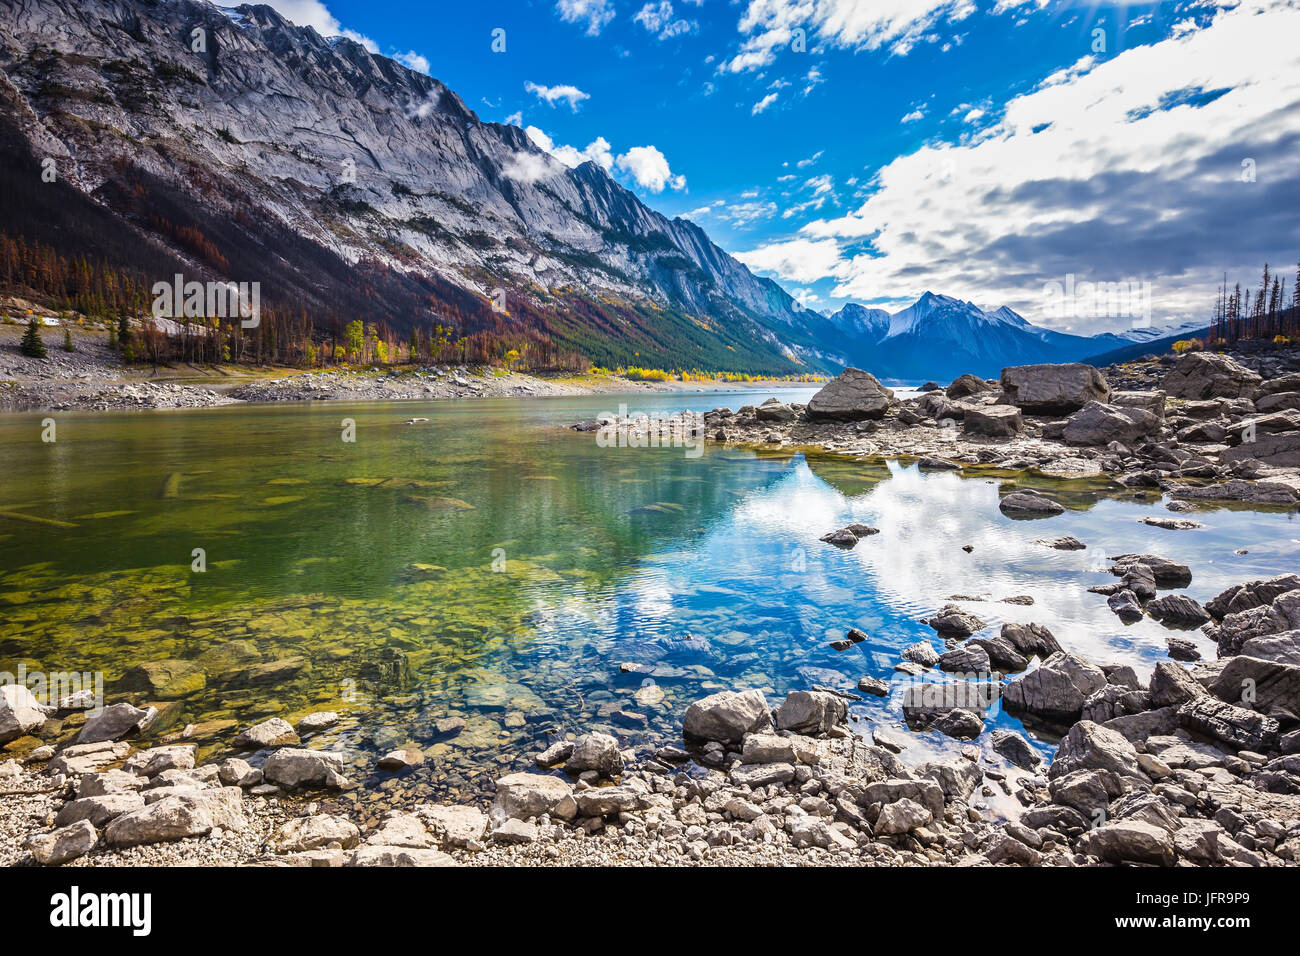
491 566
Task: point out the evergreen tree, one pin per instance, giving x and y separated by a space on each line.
123 331
67 341
32 345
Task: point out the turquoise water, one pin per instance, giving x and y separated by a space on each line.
494 567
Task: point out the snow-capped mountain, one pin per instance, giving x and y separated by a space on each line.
941 337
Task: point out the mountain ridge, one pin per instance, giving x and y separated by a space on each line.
271 129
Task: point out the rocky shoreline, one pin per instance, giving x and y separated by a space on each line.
1184 768
93 378
1207 429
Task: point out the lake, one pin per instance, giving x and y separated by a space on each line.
482 583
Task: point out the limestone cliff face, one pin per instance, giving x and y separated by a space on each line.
312 151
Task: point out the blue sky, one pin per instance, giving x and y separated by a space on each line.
979 148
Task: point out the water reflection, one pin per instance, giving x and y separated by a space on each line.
488 582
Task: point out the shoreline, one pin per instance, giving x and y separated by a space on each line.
93 379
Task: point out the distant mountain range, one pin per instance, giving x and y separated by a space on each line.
940 337
351 187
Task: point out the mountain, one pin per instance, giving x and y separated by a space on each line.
1156 346
231 144
940 337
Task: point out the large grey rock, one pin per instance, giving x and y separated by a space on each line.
993 421
767 748
606 801
952 622
774 410
151 762
1058 688
525 795
967 659
1090 746
98 809
726 716
79 759
1201 375
1088 791
925 792
110 781
390 856
1054 389
963 386
902 816
1031 640
294 767
313 832
1171 686
1130 841
317 721
598 752
1252 594
957 778
457 826
115 722
20 713
1016 749
1178 610
1024 503
1099 424
1284 648
811 712
1273 688
64 844
1239 728
177 817
1239 489
1280 450
234 772
1165 572
853 395
1282 615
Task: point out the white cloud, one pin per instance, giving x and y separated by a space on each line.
658 19
529 168
596 14
1128 167
763 104
744 214
555 94
799 260
597 151
770 25
413 60
514 119
649 168
916 114
805 163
